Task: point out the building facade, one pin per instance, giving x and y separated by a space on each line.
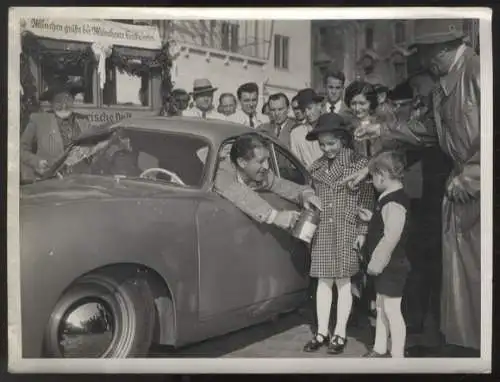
275 54
342 45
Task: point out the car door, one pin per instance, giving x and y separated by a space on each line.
243 264
290 263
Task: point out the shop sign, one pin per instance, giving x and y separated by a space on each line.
101 31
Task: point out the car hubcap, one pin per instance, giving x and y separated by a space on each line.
86 330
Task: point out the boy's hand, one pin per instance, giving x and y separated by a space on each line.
359 242
373 269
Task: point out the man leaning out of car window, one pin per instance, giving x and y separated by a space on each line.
247 172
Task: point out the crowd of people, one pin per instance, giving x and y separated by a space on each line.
421 257
424 253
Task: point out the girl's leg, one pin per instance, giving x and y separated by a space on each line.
381 327
397 326
323 304
344 305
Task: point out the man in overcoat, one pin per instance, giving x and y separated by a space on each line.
453 124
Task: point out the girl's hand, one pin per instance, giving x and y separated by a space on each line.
359 242
373 270
365 214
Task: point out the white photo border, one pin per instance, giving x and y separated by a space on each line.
17 364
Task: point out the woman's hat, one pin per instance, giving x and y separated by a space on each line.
73 88
202 85
308 96
328 123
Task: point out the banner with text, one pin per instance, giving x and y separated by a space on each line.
99 31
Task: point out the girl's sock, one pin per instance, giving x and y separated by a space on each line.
323 305
344 306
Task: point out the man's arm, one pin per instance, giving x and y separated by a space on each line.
288 190
246 199
28 138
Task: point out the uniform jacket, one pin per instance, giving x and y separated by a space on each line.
454 124
246 197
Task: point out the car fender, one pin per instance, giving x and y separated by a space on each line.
62 242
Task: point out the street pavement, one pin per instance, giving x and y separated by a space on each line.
283 337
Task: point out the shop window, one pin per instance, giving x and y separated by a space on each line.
128 83
67 62
229 36
281 51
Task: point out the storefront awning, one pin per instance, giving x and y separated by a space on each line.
103 32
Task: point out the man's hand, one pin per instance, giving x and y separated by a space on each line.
457 192
359 242
286 219
365 215
353 181
42 166
367 131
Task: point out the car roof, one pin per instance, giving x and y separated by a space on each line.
212 129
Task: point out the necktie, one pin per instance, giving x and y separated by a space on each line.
252 124
204 114
332 109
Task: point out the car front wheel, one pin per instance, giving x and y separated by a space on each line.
103 315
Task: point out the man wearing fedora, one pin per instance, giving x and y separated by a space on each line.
203 96
454 124
47 135
307 151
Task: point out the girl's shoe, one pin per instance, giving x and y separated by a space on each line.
373 354
314 344
337 345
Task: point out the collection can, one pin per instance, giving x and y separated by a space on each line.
306 225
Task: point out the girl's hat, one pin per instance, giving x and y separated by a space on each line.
328 123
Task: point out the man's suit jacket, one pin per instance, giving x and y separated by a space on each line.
43 132
284 135
246 197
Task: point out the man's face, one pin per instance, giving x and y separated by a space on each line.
204 101
249 102
334 88
182 101
63 105
434 58
312 112
257 167
227 105
278 110
297 111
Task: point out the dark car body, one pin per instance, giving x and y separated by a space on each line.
212 269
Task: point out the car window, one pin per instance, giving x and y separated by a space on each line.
287 168
131 151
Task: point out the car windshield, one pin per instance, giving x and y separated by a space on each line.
152 156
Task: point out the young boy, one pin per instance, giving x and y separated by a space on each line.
385 245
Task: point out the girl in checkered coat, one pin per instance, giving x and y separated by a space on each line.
341 234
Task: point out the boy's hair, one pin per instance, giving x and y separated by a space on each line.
393 162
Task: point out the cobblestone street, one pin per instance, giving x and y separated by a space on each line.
283 337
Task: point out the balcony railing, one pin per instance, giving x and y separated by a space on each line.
251 38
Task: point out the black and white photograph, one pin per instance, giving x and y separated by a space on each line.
221 190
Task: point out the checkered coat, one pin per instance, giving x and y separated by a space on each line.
333 253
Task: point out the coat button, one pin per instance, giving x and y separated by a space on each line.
330 205
330 220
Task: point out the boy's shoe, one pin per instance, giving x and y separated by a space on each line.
373 354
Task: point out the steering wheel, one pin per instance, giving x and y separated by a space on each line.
175 178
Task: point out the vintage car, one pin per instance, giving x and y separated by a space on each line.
117 259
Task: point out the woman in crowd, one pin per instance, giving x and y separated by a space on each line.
340 235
